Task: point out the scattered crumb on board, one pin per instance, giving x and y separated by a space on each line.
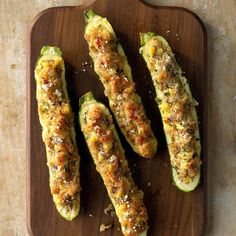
104 227
109 210
86 64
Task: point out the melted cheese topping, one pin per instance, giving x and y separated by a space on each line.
177 108
111 64
108 155
58 134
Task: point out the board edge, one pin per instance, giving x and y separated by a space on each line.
28 101
186 10
30 29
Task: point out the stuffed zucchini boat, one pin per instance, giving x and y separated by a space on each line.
177 108
57 121
104 145
111 65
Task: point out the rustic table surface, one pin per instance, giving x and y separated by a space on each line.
220 20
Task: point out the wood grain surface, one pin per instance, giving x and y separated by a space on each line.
171 212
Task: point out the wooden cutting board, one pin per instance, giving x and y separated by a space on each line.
171 212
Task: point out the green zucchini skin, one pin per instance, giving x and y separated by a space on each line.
88 15
109 157
112 67
57 121
177 108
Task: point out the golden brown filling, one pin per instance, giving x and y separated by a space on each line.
108 156
56 119
177 109
125 103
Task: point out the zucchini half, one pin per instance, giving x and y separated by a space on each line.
177 108
109 157
111 65
57 121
